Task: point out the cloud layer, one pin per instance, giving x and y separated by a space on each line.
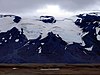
23 6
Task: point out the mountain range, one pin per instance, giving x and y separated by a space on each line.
37 42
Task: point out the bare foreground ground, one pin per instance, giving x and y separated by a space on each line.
49 69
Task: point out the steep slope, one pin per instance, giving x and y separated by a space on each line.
10 42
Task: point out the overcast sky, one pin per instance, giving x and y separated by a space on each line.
30 7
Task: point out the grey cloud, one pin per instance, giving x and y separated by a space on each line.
21 6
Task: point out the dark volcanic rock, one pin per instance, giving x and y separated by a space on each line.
17 19
47 19
89 23
53 44
10 42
